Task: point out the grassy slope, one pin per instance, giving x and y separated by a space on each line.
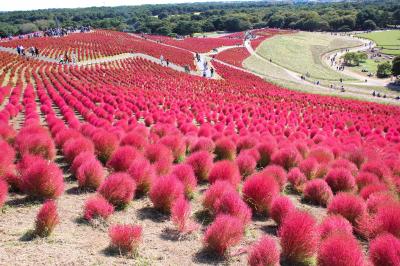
388 40
301 52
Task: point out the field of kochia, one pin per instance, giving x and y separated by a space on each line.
131 162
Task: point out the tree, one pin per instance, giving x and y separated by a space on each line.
236 24
187 27
396 66
354 59
384 70
369 25
396 16
276 21
28 28
7 29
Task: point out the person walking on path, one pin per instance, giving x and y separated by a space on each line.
19 50
36 51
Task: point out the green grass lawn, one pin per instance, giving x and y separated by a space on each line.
389 40
301 53
370 65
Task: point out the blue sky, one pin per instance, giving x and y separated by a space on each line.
8 5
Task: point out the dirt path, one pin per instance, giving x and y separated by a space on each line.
371 81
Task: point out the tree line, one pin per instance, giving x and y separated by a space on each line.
186 19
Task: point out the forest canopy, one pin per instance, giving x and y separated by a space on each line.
185 19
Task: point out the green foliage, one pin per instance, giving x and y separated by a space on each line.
384 70
354 58
396 66
224 16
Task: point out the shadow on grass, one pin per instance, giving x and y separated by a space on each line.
203 217
206 257
270 229
25 201
148 213
28 236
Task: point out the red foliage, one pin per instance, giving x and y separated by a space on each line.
225 170
46 219
73 147
3 192
165 191
296 179
349 206
180 216
203 144
299 237
231 203
309 167
161 157
214 193
80 159
385 250
97 206
125 238
318 192
225 232
278 173
118 189
176 144
371 189
280 208
379 199
334 224
135 139
246 163
143 173
105 143
225 149
340 250
90 174
340 179
286 157
365 178
7 157
201 162
258 192
42 179
264 252
185 174
387 220
122 158
35 140
266 149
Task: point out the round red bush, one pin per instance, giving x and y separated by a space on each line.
97 207
333 224
90 174
201 162
225 170
340 179
165 191
318 192
125 238
121 159
264 252
46 219
118 189
143 173
185 174
225 149
350 206
384 250
280 208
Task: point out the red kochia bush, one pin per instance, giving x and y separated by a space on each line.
180 216
258 192
264 252
280 208
161 157
90 174
278 173
318 192
185 174
225 232
349 206
7 157
286 157
46 219
333 224
97 206
225 149
165 191
42 179
135 139
225 170
299 237
118 189
340 179
80 159
231 203
201 163
3 192
105 143
296 179
125 238
214 193
364 179
266 149
73 147
387 220
122 158
177 145
384 250
246 163
143 173
341 250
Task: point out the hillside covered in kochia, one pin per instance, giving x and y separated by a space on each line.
185 19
